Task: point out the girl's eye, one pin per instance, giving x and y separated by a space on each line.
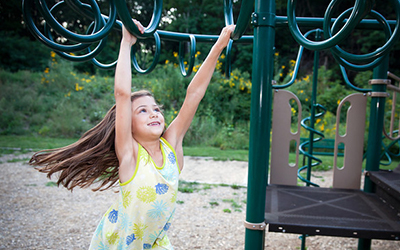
142 111
157 110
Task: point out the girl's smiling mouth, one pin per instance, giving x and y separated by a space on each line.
154 124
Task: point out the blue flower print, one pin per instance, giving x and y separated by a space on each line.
169 173
161 188
125 222
113 216
171 158
146 246
153 237
120 245
166 227
102 246
159 210
130 239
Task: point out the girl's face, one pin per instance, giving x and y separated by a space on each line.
147 119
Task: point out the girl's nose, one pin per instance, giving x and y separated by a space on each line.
153 114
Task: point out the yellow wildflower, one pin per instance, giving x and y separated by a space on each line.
293 111
77 87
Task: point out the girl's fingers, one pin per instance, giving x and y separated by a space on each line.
139 25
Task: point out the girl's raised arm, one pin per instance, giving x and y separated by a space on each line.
124 143
195 92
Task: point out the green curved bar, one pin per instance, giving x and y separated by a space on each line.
126 18
155 59
243 20
103 65
347 81
367 58
356 67
228 13
177 37
317 160
297 65
83 58
228 62
79 7
352 22
191 56
318 22
27 6
100 30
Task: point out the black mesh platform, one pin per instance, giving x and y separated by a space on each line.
327 211
387 187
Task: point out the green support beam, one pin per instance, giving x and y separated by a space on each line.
374 145
260 119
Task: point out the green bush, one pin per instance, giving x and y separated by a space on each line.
57 102
60 102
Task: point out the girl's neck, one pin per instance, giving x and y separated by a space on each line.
152 147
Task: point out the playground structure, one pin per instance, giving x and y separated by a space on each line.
277 204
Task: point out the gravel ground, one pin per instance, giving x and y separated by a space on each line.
34 214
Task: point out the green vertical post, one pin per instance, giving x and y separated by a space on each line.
313 106
374 145
260 119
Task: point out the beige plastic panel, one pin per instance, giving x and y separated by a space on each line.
348 176
281 172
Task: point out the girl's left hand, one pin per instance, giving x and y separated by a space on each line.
225 35
127 36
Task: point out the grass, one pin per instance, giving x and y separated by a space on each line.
10 144
32 143
217 153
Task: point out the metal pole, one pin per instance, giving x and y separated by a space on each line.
260 119
375 135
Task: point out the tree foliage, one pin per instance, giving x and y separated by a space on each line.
187 16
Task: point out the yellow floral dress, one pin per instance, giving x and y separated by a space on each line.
142 215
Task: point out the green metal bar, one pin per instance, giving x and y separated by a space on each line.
246 9
375 135
313 107
126 18
178 37
312 121
318 22
260 121
359 11
376 124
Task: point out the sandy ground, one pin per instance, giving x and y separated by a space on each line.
36 215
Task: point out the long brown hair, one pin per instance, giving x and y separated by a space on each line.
90 160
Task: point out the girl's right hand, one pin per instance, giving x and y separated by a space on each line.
225 35
128 37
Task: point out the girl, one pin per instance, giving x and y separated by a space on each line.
130 145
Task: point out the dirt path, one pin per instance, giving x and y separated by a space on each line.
37 215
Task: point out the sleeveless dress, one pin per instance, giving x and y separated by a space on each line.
142 215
